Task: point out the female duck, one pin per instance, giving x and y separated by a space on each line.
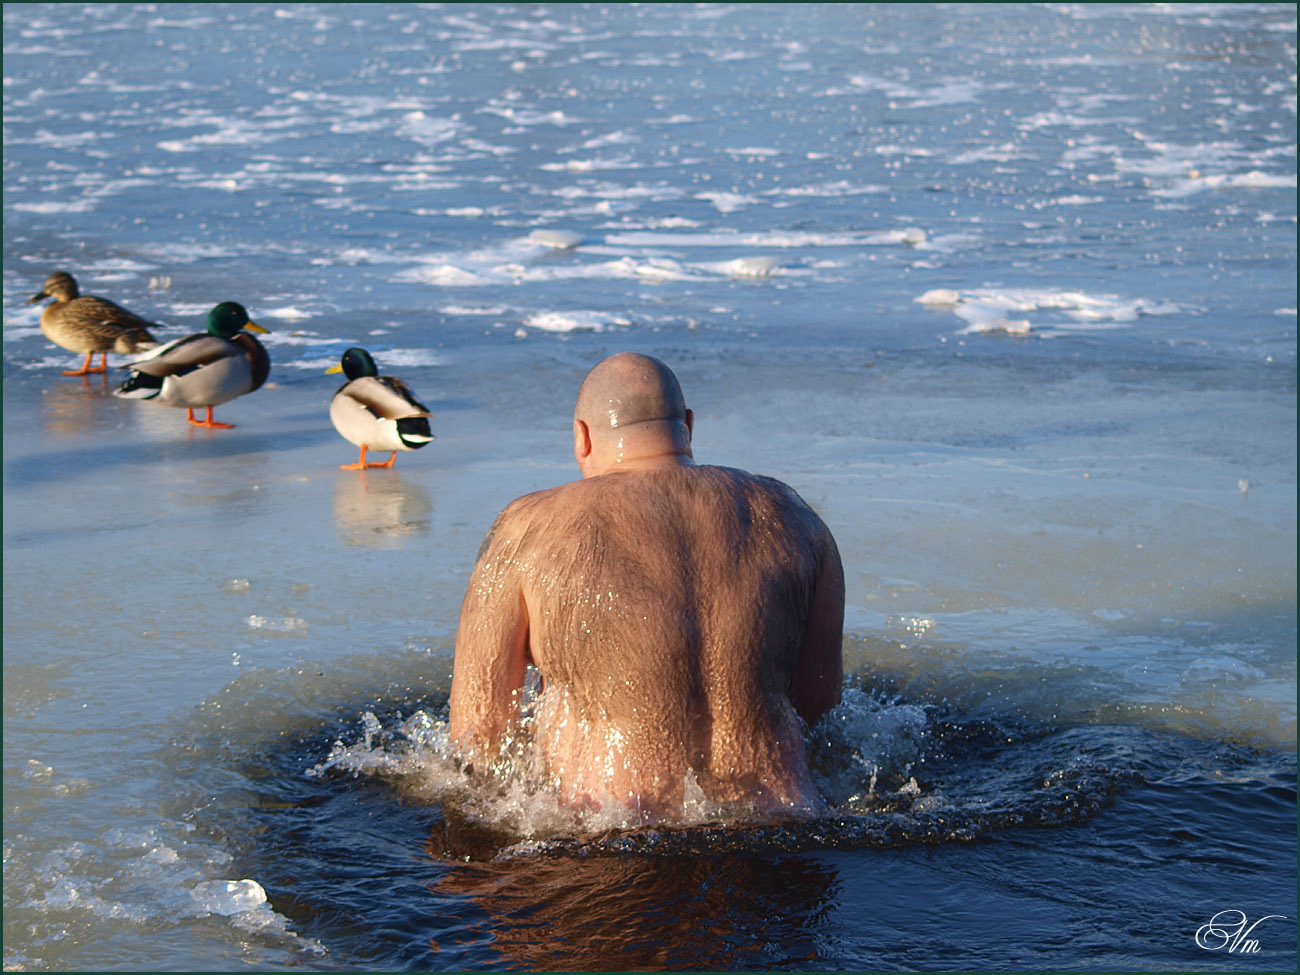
88 324
376 412
203 369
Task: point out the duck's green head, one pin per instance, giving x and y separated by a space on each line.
355 364
228 318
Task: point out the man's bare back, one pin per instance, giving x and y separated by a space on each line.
684 620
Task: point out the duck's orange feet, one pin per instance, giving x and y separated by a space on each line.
85 369
209 423
361 464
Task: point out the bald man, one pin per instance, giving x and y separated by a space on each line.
686 620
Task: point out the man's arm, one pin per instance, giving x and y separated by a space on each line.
815 687
491 647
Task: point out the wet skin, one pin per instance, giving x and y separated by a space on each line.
686 620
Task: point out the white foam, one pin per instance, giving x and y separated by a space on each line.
618 138
1057 119
727 202
57 206
299 338
838 188
415 754
529 117
954 92
1006 152
614 191
428 130
591 165
776 239
409 358
1251 180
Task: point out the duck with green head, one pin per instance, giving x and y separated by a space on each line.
85 323
204 369
376 412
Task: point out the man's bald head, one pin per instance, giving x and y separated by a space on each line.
631 402
626 389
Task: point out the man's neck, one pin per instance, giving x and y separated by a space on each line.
646 462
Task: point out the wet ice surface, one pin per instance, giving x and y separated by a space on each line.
1007 294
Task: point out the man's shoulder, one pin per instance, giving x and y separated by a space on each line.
739 479
527 505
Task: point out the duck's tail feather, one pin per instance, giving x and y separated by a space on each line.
140 385
135 340
414 431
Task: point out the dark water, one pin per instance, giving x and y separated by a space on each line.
965 843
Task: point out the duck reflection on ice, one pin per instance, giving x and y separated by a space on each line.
72 409
380 509
603 912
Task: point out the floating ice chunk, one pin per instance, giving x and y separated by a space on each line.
228 897
288 312
449 275
1016 326
751 267
727 202
939 296
289 624
559 239
163 854
570 321
989 309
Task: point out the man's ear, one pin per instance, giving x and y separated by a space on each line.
690 422
581 441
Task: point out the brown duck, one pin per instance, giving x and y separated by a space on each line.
88 324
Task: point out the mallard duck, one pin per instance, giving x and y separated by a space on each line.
376 412
88 324
203 369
